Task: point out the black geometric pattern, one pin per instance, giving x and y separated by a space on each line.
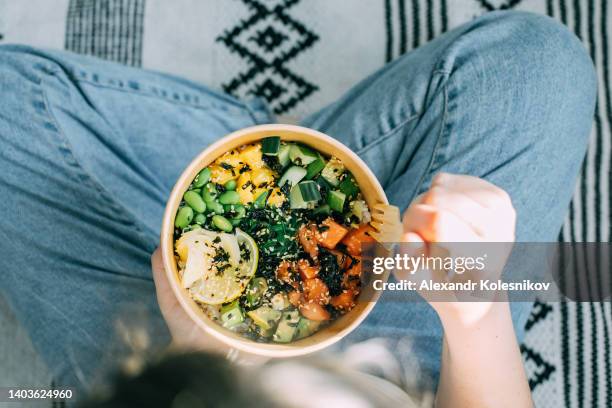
267 40
541 370
109 29
538 313
411 23
492 5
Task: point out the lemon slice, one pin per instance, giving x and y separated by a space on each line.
194 249
225 280
251 246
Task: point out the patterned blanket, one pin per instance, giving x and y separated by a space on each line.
303 54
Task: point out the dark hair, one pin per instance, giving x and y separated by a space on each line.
182 381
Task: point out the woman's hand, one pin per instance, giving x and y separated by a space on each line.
459 208
481 361
455 210
185 333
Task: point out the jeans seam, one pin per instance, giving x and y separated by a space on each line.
442 72
66 150
387 135
436 154
237 103
256 114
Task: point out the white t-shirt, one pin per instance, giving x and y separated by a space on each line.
343 379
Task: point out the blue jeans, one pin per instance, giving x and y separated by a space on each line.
90 150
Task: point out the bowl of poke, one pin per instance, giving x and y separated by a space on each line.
262 237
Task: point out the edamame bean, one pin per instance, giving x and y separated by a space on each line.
202 178
222 223
195 201
183 217
192 227
215 207
199 219
240 211
229 197
230 185
235 210
209 193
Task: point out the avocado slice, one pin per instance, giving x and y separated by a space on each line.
255 291
287 326
231 314
306 327
263 332
265 317
280 301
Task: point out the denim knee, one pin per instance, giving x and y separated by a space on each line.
25 120
551 48
536 42
19 62
533 67
566 79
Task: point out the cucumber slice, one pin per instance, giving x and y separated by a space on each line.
270 146
287 326
336 200
332 171
348 186
306 327
304 195
231 314
323 184
293 175
324 209
315 168
296 201
255 291
309 191
283 155
265 317
302 155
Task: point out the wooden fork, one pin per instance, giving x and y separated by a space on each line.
387 224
